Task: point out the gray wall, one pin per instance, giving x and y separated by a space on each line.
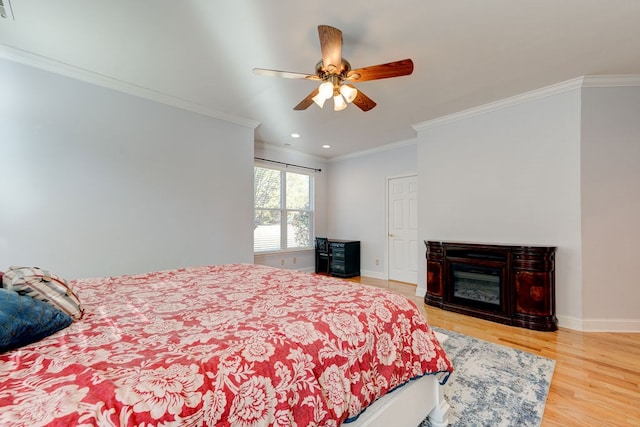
610 159
95 182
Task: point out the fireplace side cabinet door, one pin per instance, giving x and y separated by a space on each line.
533 270
435 266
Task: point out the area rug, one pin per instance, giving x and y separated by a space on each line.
494 385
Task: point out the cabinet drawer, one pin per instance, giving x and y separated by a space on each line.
338 267
338 253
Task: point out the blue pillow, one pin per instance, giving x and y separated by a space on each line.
24 320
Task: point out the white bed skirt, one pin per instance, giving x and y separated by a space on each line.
408 405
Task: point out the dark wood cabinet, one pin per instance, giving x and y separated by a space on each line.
343 258
511 284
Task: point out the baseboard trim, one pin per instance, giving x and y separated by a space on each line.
599 324
611 325
374 274
570 322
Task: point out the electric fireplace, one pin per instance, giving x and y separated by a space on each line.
509 284
476 284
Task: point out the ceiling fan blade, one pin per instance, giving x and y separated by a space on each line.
331 46
362 101
382 71
305 103
285 74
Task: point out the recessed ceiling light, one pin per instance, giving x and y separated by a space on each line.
295 135
326 146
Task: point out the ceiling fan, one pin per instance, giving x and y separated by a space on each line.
336 75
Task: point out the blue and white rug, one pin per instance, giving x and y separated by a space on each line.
494 385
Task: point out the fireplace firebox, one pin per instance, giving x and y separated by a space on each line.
476 284
509 284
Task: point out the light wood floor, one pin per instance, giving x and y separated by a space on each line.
596 381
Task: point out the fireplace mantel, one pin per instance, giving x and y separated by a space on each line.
515 283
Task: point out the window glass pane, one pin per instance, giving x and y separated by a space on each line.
266 188
297 191
266 230
282 210
298 229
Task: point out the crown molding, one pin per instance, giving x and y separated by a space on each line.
380 149
555 89
289 151
620 80
503 103
57 67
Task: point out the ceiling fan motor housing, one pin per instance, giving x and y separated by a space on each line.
345 67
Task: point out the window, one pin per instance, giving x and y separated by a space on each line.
283 214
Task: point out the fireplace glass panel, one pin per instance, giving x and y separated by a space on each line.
475 283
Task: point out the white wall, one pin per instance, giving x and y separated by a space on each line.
94 182
357 201
298 259
611 207
508 175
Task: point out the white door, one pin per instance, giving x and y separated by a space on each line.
403 228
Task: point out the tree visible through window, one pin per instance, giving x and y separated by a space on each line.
283 212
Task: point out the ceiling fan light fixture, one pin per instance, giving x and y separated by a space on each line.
325 91
339 103
349 93
319 100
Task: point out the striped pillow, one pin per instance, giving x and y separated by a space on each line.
44 286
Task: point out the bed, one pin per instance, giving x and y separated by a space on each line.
231 345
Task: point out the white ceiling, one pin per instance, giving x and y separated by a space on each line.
200 54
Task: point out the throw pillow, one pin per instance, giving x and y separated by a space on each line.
44 286
24 320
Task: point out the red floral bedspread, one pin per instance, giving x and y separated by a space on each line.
231 345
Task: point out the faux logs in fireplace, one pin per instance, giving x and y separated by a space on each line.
509 284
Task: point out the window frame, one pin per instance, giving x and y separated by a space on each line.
284 211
